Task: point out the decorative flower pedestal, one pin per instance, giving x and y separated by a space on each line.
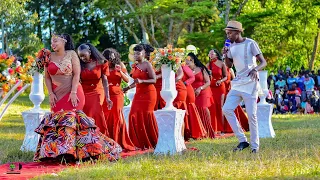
126 109
170 140
169 119
33 117
31 120
264 111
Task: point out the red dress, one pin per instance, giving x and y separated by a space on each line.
203 101
160 103
114 117
180 103
196 129
241 115
91 81
143 127
217 118
68 133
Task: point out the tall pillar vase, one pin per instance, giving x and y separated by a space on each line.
263 76
36 94
168 91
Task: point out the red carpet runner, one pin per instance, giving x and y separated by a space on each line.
33 169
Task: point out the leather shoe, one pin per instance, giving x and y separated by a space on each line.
241 146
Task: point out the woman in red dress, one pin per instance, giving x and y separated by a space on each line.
93 77
160 103
241 115
180 101
218 77
143 128
202 91
114 116
196 129
68 133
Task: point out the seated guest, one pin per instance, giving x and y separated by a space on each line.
283 108
292 108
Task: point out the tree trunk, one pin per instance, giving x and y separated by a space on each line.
39 29
2 34
239 9
170 30
315 48
228 4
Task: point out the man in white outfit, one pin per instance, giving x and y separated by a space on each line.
243 53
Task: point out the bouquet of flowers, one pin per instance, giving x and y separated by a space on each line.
11 72
38 64
168 55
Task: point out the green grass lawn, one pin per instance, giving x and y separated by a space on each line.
293 154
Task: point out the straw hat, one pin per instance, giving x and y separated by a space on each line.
234 26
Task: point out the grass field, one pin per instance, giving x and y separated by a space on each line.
293 154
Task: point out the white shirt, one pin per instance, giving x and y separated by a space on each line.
244 59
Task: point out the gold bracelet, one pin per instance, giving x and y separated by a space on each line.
50 93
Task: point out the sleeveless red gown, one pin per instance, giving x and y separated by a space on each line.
143 127
241 115
91 81
203 101
180 103
160 103
217 118
196 129
114 117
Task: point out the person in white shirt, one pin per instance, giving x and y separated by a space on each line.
243 53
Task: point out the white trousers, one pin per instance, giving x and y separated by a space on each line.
233 100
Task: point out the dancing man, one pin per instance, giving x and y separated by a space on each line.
243 53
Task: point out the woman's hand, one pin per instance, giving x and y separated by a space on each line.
253 74
197 91
118 67
74 99
52 99
109 103
138 81
218 83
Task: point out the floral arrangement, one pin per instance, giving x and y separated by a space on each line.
167 55
11 72
38 64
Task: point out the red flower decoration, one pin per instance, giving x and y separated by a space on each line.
3 56
11 71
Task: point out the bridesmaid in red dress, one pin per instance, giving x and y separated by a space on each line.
143 128
94 71
180 101
241 115
114 117
67 133
218 77
160 103
196 129
202 91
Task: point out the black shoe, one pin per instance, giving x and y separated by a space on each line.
254 151
241 146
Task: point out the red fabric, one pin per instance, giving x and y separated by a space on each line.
114 118
204 99
94 94
197 131
206 121
143 128
160 103
180 103
188 74
217 118
64 104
